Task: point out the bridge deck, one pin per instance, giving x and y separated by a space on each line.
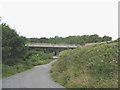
49 45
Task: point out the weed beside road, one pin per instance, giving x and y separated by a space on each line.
34 58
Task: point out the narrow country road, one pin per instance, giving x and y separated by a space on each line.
37 77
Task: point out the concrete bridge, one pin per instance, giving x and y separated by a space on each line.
49 45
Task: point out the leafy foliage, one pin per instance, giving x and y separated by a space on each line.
15 56
39 58
34 58
13 46
71 39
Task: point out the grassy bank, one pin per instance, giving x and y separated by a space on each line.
88 67
34 58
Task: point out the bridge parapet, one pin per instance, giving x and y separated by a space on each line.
52 45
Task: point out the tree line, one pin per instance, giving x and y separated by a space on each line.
71 39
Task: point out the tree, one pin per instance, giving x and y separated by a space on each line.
13 46
106 38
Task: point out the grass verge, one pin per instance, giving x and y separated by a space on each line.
88 67
33 59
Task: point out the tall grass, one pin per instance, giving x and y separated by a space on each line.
88 67
34 58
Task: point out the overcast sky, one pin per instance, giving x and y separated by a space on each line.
47 18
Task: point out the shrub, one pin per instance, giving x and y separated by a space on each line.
34 58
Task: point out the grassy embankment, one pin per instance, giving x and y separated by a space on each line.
34 58
89 67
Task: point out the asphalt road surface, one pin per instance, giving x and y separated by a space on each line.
37 77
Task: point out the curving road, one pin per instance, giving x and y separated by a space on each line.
37 77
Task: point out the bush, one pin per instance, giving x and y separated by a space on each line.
40 58
34 58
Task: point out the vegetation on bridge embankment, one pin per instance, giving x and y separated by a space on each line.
88 67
